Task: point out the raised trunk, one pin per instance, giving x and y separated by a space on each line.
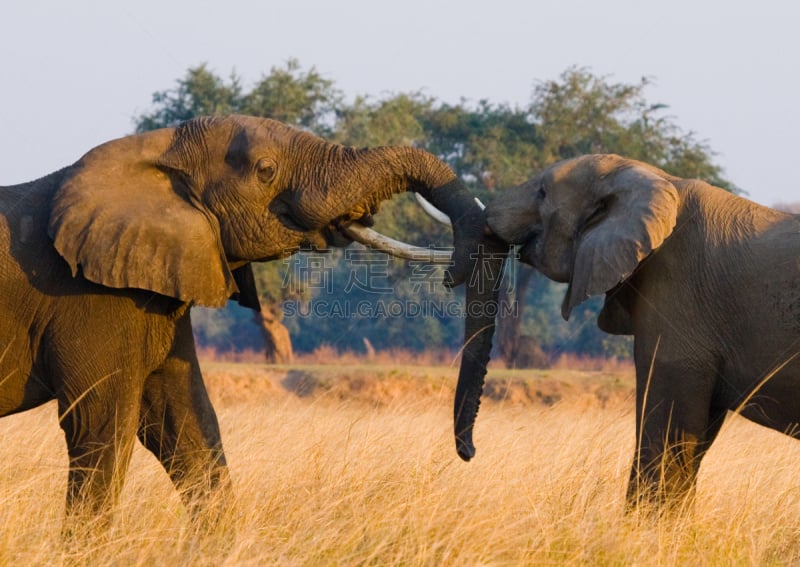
370 176
352 182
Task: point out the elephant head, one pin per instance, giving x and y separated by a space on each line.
588 221
182 211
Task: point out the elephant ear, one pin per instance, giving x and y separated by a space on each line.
119 218
640 210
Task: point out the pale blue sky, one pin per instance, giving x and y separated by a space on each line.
75 73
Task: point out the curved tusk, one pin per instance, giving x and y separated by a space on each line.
432 211
378 241
438 215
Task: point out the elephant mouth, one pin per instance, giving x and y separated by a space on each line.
285 208
362 213
336 233
355 225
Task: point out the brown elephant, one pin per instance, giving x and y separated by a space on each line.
707 282
100 263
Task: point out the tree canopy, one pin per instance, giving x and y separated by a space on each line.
491 146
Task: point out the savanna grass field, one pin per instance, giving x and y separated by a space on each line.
352 462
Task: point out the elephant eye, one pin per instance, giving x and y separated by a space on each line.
265 170
542 192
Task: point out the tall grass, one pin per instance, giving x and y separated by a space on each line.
321 480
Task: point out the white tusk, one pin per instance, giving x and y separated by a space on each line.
432 211
436 213
378 241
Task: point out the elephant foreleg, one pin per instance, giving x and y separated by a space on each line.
179 426
676 422
99 423
664 470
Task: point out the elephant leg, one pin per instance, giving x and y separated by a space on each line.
179 426
99 423
676 422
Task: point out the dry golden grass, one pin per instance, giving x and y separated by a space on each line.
338 478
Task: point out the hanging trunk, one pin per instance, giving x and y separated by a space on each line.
482 308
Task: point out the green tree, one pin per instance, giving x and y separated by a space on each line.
492 146
581 113
293 96
388 122
199 93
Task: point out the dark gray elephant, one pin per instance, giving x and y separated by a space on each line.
100 263
708 284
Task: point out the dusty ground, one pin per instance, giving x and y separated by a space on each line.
231 383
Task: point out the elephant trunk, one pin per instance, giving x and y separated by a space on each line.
372 175
482 309
350 182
